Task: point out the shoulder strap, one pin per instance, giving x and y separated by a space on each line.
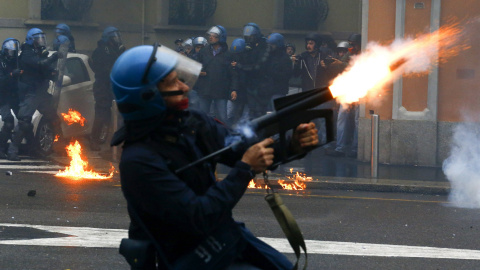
289 226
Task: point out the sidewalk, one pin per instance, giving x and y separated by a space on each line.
342 173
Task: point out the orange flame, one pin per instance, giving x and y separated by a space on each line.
57 137
78 166
296 182
380 65
73 117
297 185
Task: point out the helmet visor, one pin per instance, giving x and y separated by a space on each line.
40 39
214 31
116 37
186 68
11 45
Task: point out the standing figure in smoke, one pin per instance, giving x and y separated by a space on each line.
9 73
214 83
109 48
347 121
255 62
177 212
238 95
33 86
64 30
281 66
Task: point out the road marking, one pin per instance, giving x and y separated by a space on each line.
110 238
30 167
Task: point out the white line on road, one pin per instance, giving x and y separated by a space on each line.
30 167
110 238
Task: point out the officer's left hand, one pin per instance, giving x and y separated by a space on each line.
305 135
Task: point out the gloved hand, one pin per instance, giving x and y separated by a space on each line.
54 56
16 73
44 52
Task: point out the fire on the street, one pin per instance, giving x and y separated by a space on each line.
73 117
294 182
376 67
78 168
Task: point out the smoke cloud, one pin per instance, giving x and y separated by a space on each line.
462 167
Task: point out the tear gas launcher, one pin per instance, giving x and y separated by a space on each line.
290 111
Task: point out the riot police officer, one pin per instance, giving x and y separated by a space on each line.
33 86
9 73
109 48
151 86
64 30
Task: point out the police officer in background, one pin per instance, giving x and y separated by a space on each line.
33 85
281 66
64 30
109 48
178 211
255 61
9 73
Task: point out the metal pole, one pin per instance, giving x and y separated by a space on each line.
114 128
374 156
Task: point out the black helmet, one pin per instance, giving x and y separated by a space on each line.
356 38
291 45
315 37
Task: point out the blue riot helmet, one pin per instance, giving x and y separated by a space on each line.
277 40
62 29
36 37
219 32
10 48
136 74
59 40
187 44
112 34
238 45
251 34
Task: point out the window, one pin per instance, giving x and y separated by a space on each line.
72 10
304 14
76 70
190 12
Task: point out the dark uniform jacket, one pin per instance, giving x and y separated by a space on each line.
181 210
103 58
37 70
281 71
216 84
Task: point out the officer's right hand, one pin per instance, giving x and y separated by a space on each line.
259 156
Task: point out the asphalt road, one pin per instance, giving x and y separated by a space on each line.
79 224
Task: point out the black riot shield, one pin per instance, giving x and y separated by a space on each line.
62 59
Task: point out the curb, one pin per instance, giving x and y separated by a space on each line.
366 184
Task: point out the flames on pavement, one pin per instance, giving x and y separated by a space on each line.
294 182
78 168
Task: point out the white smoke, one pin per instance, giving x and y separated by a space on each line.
462 167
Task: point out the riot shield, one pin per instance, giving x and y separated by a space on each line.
62 59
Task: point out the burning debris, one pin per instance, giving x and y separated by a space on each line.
296 181
78 166
73 117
